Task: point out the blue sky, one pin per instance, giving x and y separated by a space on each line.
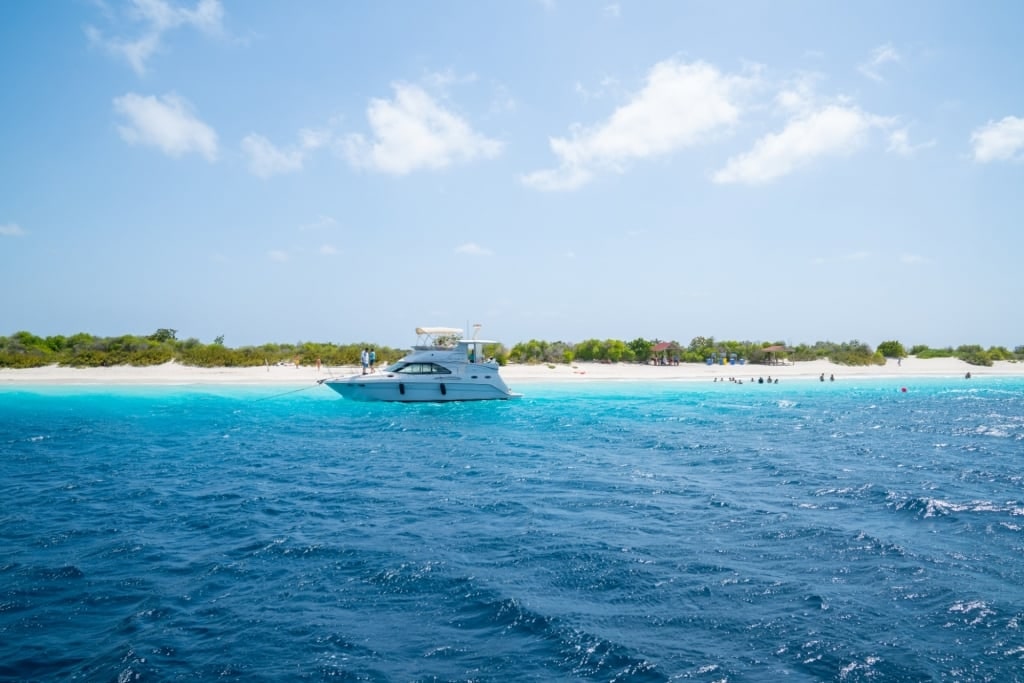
347 171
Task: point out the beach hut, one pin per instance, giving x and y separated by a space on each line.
665 353
772 354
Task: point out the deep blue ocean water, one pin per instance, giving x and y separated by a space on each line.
843 531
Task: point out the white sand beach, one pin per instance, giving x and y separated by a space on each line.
514 374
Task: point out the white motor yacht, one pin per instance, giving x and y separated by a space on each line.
442 366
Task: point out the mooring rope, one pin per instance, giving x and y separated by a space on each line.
293 391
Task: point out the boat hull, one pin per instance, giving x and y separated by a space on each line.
361 388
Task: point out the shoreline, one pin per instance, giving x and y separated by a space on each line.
173 374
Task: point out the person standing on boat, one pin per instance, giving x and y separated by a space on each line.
373 358
364 358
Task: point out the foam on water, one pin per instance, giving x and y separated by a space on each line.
619 531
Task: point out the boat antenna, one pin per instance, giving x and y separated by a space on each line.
476 329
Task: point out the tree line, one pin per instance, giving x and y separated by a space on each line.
700 349
26 350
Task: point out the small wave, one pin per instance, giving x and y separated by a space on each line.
936 507
864 666
972 613
986 430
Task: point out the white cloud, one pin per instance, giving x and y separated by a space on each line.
612 10
473 249
413 132
442 80
798 97
158 17
880 56
11 230
162 15
899 143
279 255
557 179
999 140
680 105
314 138
166 122
605 87
328 250
834 130
266 159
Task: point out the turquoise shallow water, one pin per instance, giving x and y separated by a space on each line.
607 532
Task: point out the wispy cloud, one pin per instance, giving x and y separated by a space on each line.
913 259
798 96
278 255
321 222
680 105
328 249
899 143
12 230
880 56
414 131
154 18
605 86
835 130
473 249
266 160
166 122
999 140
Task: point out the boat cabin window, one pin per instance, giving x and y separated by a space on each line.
422 369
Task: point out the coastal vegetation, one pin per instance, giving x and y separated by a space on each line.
700 349
25 350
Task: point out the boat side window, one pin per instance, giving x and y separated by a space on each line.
423 369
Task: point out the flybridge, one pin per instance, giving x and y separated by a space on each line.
447 337
437 337
439 331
